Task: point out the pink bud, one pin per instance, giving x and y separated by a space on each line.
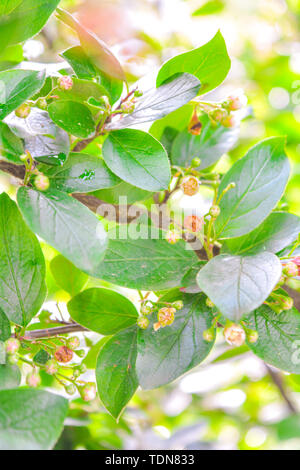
65 82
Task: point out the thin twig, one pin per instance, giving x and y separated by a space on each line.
277 380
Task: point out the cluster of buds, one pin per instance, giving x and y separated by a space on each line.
236 335
224 113
165 315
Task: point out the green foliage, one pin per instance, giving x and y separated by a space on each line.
56 217
102 310
16 87
210 63
204 250
260 178
137 158
22 266
39 414
171 351
239 284
115 371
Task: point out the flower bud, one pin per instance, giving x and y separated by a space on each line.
234 335
42 103
76 373
88 392
63 354
190 185
193 223
23 111
70 389
172 237
146 309
236 101
218 115
156 326
209 334
51 367
195 126
166 316
287 303
214 211
229 121
143 322
138 93
73 342
12 345
42 182
128 107
196 162
178 304
290 269
252 336
65 83
23 157
209 303
33 380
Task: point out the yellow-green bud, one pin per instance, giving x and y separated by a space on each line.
143 322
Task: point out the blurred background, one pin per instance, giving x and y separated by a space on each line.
232 401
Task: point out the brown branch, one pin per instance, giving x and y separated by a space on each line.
277 380
18 171
57 331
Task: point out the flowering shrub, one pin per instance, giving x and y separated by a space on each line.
71 141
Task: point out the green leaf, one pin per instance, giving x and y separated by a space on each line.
239 284
289 427
113 195
84 68
16 86
278 337
189 280
94 47
41 357
210 145
67 276
178 120
81 174
138 158
260 179
82 90
209 63
66 225
115 371
274 234
25 21
42 138
102 310
166 354
30 419
5 330
210 8
158 102
11 147
75 118
22 266
8 5
144 263
10 377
